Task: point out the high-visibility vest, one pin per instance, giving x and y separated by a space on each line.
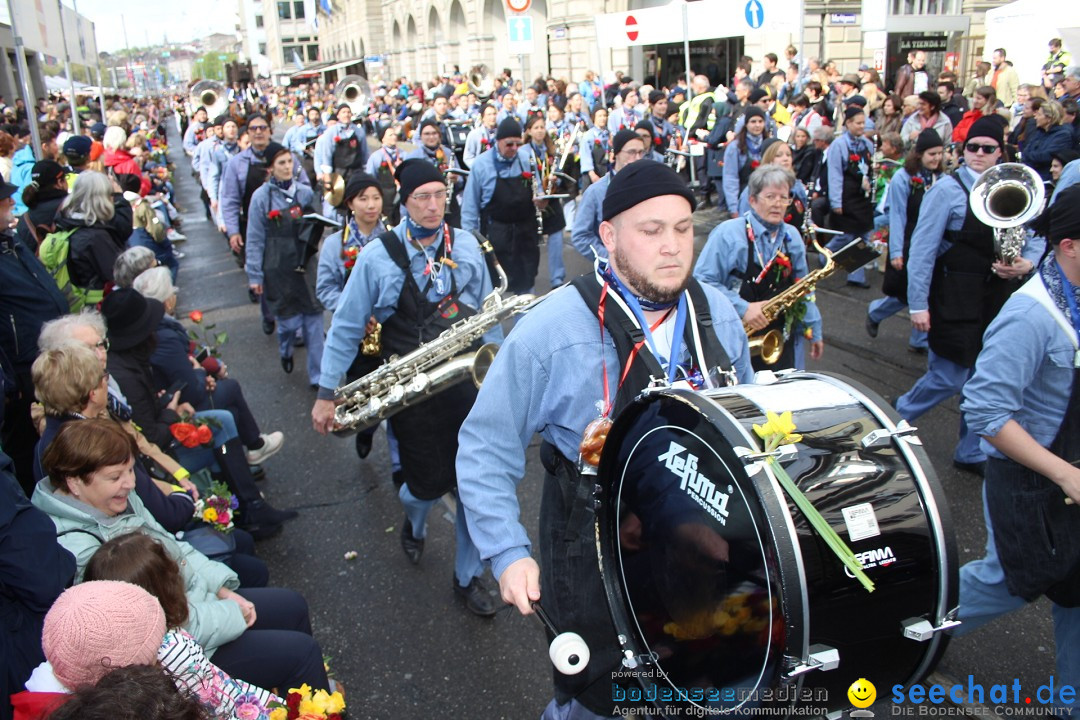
688 113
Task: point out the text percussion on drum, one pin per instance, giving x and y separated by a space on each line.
722 595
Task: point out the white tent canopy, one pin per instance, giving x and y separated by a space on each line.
61 84
1024 28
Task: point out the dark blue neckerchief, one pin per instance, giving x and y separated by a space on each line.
1070 299
281 184
419 232
636 304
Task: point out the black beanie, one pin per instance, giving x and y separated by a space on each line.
273 150
752 111
433 123
340 107
643 181
756 95
1065 216
988 127
853 111
415 172
508 128
656 96
621 138
928 139
646 125
219 120
358 183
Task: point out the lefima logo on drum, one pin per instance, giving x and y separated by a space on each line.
878 557
697 486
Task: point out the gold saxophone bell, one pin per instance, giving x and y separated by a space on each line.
768 346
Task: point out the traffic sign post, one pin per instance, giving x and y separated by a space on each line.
520 35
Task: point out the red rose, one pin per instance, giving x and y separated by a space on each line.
854 158
337 138
295 212
292 702
787 218
185 434
755 163
274 214
204 434
196 316
352 142
527 175
656 141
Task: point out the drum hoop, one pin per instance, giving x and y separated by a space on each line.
937 515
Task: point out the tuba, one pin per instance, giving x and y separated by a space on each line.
355 92
210 95
1005 197
481 81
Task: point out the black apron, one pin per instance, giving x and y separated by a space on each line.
858 208
427 433
391 209
894 282
1036 534
347 156
796 212
600 162
571 587
288 249
509 222
256 176
746 169
769 287
965 295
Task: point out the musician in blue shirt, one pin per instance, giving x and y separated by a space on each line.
417 283
956 286
555 374
482 137
849 160
628 115
628 147
1024 400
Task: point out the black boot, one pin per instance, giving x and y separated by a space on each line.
255 515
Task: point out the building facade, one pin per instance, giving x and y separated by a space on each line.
39 26
421 39
291 37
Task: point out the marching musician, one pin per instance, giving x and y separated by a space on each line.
302 142
627 147
658 117
756 256
595 149
1024 400
743 155
417 281
482 137
200 163
577 112
215 166
647 132
196 132
539 152
905 195
432 150
342 148
956 286
499 204
244 174
628 115
557 372
275 249
848 162
382 165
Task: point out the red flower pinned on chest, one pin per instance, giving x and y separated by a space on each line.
349 255
853 157
485 142
527 175
352 142
754 164
274 214
337 138
295 212
918 184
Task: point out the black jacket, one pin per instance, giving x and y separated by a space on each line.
28 299
42 214
953 111
171 363
94 248
132 372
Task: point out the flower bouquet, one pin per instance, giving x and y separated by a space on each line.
217 508
303 704
191 432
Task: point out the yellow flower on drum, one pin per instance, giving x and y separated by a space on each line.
321 698
308 706
778 429
303 691
209 515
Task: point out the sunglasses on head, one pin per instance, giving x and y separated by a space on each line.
979 147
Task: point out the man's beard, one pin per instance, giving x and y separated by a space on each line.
643 286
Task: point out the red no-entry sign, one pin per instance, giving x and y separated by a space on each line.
631 27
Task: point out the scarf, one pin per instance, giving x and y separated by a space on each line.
646 304
419 232
281 184
753 145
771 228
1048 271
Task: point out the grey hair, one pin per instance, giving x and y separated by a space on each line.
91 199
155 283
131 263
822 133
57 333
768 176
1073 71
114 138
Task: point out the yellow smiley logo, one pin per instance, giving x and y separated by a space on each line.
862 693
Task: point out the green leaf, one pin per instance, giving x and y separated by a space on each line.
221 338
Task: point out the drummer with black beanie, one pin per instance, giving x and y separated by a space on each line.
571 364
499 203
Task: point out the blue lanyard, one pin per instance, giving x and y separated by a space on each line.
1070 299
676 340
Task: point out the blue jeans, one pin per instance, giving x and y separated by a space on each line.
572 710
556 267
839 241
467 563
197 458
884 308
943 379
984 596
312 327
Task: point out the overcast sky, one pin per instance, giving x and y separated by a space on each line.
148 22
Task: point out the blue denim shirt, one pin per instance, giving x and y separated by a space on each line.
1024 372
269 197
331 277
474 143
585 235
724 255
944 208
546 379
374 287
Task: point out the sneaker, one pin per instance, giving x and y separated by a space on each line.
175 235
178 255
272 442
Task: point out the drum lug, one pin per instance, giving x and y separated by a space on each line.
921 629
883 437
753 461
821 657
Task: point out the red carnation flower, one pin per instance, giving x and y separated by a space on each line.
755 163
337 138
527 175
295 212
274 214
854 158
352 142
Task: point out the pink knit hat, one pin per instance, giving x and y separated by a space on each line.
98 626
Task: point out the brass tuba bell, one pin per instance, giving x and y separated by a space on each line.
481 81
1005 197
210 95
355 92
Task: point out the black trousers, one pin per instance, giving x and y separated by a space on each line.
278 651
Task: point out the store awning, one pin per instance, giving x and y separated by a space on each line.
343 64
309 71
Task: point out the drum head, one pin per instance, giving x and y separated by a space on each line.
688 556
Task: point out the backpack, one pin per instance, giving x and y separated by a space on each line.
54 255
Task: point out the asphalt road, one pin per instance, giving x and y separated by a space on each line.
398 638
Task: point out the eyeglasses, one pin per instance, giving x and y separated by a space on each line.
978 147
633 153
102 344
784 199
258 128
513 143
424 197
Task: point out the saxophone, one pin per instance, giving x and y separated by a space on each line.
431 368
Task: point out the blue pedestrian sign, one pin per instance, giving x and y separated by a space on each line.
519 34
755 14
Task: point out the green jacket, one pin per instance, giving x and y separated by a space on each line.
82 529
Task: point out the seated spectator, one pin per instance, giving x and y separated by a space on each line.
131 263
119 159
149 232
135 692
262 635
1049 137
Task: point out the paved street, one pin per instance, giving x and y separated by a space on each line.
399 640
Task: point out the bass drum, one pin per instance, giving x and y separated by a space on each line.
722 594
